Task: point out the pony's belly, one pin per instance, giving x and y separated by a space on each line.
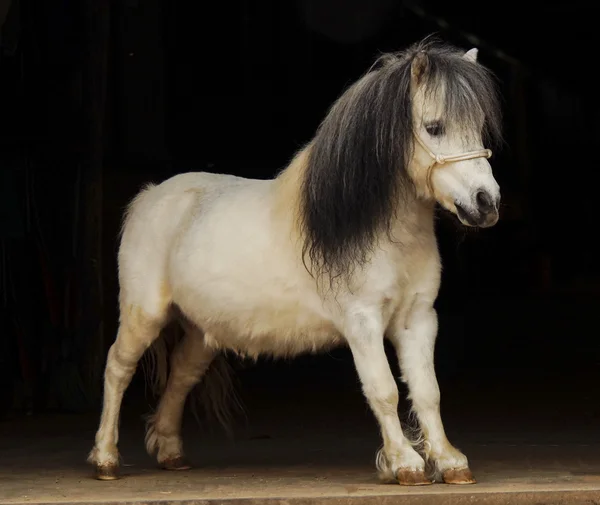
278 326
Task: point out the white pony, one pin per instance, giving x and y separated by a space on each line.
339 248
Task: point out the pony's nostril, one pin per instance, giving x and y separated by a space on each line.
485 202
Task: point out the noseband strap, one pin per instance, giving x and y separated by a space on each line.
440 159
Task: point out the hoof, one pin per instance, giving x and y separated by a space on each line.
178 463
107 472
412 478
460 476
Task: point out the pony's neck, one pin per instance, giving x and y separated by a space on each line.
415 218
416 211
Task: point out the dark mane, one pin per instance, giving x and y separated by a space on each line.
356 174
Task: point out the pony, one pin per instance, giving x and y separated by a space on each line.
339 248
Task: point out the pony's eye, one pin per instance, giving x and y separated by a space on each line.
435 129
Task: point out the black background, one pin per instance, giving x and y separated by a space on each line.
237 87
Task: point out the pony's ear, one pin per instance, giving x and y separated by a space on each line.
419 66
471 55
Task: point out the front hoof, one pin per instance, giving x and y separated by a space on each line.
412 478
178 463
458 476
107 472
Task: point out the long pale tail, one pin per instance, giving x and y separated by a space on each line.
213 399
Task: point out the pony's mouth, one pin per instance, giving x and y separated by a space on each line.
476 218
465 217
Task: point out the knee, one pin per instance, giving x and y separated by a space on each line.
424 397
383 399
120 362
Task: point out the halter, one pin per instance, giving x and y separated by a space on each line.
440 159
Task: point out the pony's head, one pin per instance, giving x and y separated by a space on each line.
415 127
454 112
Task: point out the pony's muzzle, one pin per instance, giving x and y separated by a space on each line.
483 213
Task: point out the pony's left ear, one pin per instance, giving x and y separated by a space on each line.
419 66
471 55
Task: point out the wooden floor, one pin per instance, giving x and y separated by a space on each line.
520 452
519 473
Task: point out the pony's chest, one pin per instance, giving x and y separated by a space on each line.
397 276
395 269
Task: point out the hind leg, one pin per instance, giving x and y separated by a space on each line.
137 331
190 360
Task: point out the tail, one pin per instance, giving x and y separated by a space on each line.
214 398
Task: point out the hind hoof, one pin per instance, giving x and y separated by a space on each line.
178 463
107 472
412 478
460 476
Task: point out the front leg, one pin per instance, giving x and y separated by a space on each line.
398 460
414 339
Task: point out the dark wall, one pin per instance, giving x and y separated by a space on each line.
237 87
